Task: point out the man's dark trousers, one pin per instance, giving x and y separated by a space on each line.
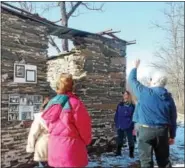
153 139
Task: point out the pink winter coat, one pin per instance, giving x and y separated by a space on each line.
70 133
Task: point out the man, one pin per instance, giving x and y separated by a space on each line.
155 116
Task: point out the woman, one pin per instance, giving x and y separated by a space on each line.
69 126
124 124
38 138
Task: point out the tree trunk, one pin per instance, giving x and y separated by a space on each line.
64 23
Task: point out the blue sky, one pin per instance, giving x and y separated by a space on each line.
134 19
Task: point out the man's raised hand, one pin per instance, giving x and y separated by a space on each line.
137 63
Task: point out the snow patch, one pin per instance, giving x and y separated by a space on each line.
109 160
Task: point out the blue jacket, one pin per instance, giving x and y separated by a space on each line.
135 115
155 105
123 116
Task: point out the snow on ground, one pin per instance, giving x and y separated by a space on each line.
177 150
109 160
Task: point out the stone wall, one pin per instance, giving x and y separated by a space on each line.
20 40
99 72
100 79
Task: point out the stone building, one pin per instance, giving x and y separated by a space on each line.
97 64
100 79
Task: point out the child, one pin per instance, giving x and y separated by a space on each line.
38 138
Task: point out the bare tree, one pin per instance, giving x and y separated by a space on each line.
171 54
67 10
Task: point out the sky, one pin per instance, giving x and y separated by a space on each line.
134 19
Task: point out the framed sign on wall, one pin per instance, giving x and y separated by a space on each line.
19 71
30 75
24 73
22 107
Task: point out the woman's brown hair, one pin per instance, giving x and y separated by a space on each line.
64 83
132 98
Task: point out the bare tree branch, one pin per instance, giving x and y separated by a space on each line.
48 7
77 14
73 9
87 6
52 42
28 6
171 54
162 27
